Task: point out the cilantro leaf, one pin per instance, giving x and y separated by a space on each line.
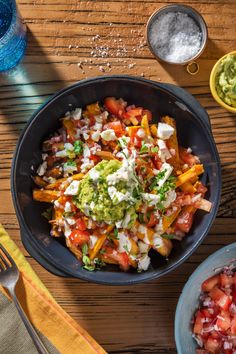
144 148
85 249
78 147
116 234
47 214
126 248
168 236
154 149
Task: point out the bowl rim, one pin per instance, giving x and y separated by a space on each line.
156 13
25 228
212 84
188 284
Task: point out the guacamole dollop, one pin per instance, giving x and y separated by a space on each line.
226 80
110 192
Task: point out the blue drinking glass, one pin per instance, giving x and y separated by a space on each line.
12 35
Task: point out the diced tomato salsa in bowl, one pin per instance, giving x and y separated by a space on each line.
214 323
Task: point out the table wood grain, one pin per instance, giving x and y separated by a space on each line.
69 40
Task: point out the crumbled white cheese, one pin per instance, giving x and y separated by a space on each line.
164 131
157 240
42 168
117 196
189 150
69 146
67 207
85 135
126 220
163 151
95 136
108 135
76 114
67 229
150 199
170 197
92 241
73 188
141 133
94 174
62 153
159 227
124 140
44 156
70 221
86 165
144 262
124 242
57 204
97 126
168 170
143 247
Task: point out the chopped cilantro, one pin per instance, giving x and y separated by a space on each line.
68 214
70 163
116 234
154 149
126 248
47 214
102 251
168 236
78 147
144 148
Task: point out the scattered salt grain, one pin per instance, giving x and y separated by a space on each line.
175 37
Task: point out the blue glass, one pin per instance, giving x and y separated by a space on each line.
12 35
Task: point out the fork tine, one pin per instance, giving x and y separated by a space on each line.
7 265
7 255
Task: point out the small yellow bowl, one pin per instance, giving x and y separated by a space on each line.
213 86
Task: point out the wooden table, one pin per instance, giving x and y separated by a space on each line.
70 40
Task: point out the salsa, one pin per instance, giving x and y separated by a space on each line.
214 325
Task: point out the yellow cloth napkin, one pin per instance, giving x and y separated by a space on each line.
44 312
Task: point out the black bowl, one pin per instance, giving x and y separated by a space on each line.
193 130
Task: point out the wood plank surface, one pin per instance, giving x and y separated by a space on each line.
69 40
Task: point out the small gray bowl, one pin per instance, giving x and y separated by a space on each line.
189 299
191 13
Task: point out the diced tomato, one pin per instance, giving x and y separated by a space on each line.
134 112
210 283
187 158
198 324
154 220
121 258
116 126
123 261
201 188
206 313
184 221
157 161
78 237
114 106
95 158
233 325
81 225
148 114
220 298
213 345
225 280
223 321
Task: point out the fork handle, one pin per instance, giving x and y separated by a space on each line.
33 334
